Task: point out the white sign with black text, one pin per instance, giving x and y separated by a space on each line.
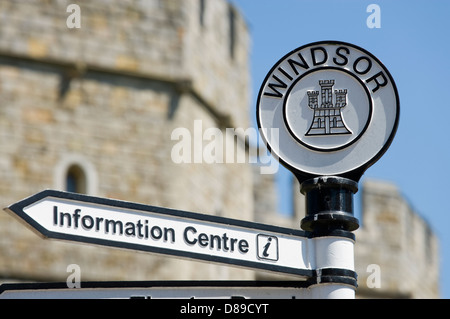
94 220
334 106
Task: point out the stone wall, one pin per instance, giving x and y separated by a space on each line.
107 97
397 253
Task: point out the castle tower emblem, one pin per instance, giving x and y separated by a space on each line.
327 118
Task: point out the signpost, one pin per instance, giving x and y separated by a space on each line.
101 221
327 111
81 218
334 108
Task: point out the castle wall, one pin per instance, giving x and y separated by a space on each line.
397 254
107 97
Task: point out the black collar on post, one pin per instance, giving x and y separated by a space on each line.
329 205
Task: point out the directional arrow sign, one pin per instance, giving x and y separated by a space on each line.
81 218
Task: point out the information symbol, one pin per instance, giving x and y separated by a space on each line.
267 247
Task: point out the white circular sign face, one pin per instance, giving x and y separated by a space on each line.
328 108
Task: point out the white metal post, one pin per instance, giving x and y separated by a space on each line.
334 264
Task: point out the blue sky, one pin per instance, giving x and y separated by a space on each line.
412 42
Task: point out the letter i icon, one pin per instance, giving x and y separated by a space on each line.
267 247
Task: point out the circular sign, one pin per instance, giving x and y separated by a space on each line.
328 108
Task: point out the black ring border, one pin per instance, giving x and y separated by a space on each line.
354 173
369 118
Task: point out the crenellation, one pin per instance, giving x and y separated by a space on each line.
397 239
326 82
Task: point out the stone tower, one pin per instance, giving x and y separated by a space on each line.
94 109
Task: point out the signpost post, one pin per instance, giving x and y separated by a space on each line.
334 108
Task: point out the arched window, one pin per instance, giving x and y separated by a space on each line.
334 122
74 173
76 179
